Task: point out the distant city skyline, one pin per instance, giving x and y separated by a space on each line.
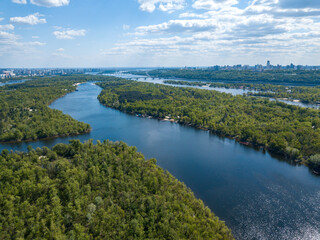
8 73
158 33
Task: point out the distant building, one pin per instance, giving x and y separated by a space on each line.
268 64
8 74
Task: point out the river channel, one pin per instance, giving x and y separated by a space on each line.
257 195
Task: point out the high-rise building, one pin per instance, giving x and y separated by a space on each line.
268 64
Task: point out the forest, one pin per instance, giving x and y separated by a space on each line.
103 191
24 111
301 77
287 130
309 95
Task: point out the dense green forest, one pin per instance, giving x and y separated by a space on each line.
310 95
103 191
284 129
24 111
270 76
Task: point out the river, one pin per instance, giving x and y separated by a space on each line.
259 196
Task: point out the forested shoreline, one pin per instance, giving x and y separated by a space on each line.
308 95
102 191
305 77
25 115
287 130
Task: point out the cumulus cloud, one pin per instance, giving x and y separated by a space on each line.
31 19
162 5
50 3
263 28
69 33
20 1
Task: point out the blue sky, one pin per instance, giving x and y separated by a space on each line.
158 33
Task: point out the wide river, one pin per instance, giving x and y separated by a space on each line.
257 195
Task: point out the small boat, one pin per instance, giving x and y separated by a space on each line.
245 143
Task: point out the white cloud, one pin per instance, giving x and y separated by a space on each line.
60 50
50 3
69 33
20 1
7 38
281 8
192 15
35 37
36 43
179 26
222 30
6 27
10 44
11 39
213 4
163 5
31 19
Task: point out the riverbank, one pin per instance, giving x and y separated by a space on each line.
47 138
282 156
257 122
25 115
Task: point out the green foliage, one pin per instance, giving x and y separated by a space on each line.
304 94
285 129
103 191
314 162
24 111
265 77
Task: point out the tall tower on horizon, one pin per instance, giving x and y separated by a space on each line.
268 64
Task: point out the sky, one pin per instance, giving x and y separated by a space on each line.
158 33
